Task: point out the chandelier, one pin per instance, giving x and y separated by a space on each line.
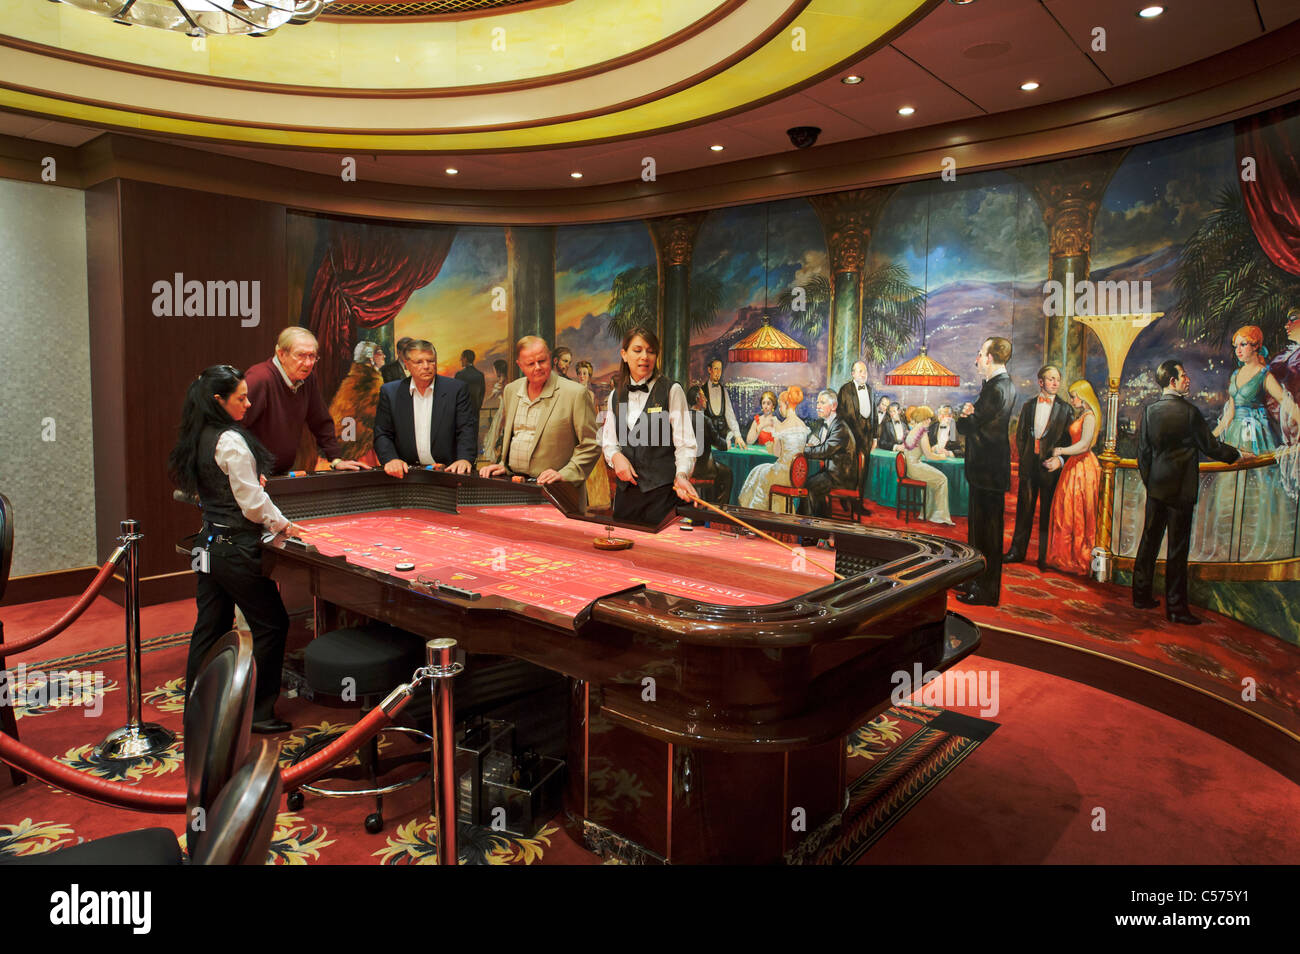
207 17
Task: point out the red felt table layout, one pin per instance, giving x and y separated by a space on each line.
536 555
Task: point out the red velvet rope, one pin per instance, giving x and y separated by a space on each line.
351 740
117 794
122 795
16 646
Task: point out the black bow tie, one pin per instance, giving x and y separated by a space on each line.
643 388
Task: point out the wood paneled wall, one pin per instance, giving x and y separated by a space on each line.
139 234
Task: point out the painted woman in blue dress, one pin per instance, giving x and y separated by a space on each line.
1246 425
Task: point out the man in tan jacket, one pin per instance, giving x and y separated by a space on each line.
548 424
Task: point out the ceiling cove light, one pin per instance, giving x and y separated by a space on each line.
717 148
1029 86
1147 13
906 110
851 80
452 172
575 175
207 17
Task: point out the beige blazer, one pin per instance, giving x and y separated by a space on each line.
566 439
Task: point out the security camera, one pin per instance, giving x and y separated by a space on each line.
804 137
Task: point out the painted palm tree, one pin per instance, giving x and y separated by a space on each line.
634 300
893 310
1224 279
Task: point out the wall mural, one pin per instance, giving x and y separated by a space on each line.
910 280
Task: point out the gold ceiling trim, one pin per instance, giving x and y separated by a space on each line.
822 37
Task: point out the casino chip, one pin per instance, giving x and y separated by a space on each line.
403 567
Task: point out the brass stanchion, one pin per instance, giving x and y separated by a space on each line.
136 738
442 669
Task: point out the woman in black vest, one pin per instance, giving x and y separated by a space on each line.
226 466
648 439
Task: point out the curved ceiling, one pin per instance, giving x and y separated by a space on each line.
571 73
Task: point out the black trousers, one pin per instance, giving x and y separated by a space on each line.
1160 517
236 580
1034 482
635 505
819 487
985 523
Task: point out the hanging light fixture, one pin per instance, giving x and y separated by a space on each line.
923 371
767 343
199 18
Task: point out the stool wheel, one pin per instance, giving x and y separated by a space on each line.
294 801
374 823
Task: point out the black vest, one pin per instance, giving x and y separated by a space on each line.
215 495
716 423
648 442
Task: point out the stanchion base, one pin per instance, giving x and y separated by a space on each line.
133 742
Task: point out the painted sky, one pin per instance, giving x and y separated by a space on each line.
454 311
982 227
730 247
1161 193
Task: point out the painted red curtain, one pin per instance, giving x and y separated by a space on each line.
365 277
1273 199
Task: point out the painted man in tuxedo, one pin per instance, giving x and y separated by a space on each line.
882 414
1044 426
425 419
718 410
1171 439
984 425
706 467
944 435
831 442
856 399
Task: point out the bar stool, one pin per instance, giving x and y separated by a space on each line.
365 663
911 493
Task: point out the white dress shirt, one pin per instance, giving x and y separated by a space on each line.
422 405
943 434
236 462
1042 412
678 415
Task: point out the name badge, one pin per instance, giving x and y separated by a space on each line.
654 410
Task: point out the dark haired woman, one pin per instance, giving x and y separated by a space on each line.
225 465
648 439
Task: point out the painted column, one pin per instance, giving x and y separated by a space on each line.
847 221
530 279
674 241
1069 194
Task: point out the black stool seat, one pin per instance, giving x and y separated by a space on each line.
147 846
377 657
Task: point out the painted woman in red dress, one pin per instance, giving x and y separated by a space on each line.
1074 507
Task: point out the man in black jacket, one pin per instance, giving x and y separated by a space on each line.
1171 439
984 425
425 419
1044 426
832 443
943 433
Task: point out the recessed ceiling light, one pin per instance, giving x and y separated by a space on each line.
1029 87
575 175
453 172
905 110
1146 13
960 3
851 80
717 148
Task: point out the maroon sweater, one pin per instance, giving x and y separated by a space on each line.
276 415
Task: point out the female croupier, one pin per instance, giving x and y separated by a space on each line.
648 439
226 466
